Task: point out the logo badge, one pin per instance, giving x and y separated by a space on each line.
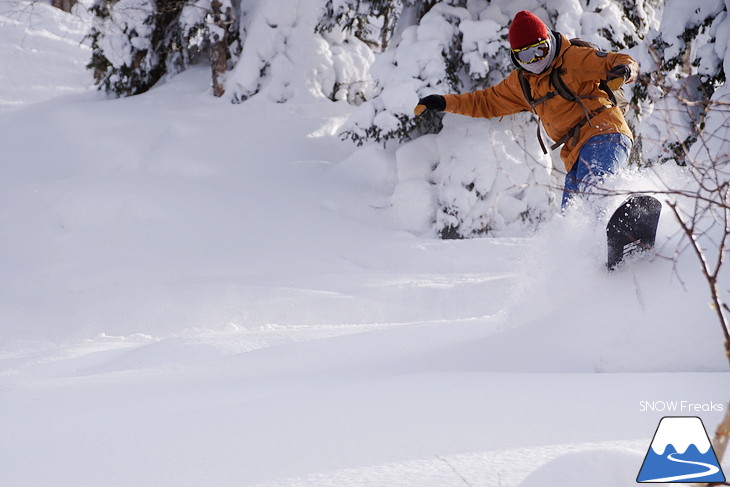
680 452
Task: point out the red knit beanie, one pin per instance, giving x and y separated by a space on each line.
526 29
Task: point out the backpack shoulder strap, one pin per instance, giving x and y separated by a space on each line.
557 81
602 84
525 85
580 42
527 92
611 94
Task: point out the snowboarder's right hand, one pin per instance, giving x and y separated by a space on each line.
618 75
431 102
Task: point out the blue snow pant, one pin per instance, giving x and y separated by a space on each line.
600 156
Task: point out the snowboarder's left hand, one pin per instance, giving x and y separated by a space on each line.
431 102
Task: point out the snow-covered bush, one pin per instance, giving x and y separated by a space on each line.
137 42
369 25
269 46
124 59
491 179
372 21
283 56
427 58
682 67
713 63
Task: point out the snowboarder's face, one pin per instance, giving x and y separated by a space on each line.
534 52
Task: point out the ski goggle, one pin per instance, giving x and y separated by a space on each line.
533 53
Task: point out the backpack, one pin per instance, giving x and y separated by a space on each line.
615 96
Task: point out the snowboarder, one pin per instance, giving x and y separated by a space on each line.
569 85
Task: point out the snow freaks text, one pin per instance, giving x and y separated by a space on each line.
680 407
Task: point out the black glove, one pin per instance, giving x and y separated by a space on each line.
624 72
431 102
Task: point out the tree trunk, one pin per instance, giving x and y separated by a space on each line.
219 47
65 5
722 435
720 442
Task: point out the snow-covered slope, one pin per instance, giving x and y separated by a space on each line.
199 293
41 52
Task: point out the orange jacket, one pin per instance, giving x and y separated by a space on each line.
582 68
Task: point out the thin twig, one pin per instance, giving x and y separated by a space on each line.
466 482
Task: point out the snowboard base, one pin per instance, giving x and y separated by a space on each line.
632 228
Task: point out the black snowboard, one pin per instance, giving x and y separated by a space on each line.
632 228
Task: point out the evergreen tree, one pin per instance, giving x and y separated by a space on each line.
290 54
137 42
427 57
680 75
123 60
220 30
372 21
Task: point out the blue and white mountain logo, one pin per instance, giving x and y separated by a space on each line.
680 452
